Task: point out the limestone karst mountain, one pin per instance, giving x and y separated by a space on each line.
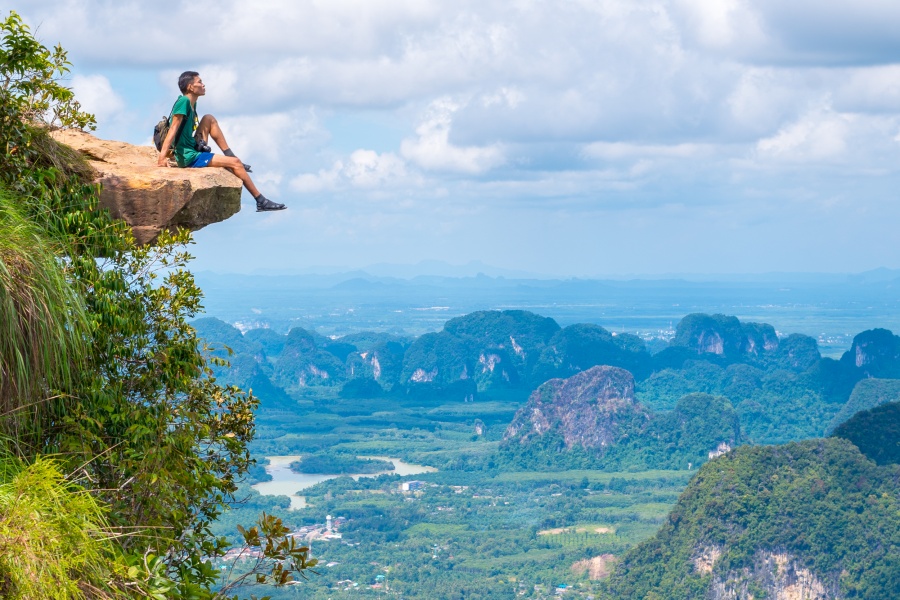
593 409
593 420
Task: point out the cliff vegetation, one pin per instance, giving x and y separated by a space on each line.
119 448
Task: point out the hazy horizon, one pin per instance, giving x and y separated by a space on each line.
438 268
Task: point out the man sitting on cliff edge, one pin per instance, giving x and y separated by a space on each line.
188 138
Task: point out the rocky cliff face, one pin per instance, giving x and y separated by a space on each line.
780 575
876 352
150 198
725 336
304 363
592 409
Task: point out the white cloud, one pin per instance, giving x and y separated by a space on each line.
363 169
433 151
622 150
509 97
720 24
818 136
368 169
869 89
762 99
222 85
96 95
311 183
801 32
581 106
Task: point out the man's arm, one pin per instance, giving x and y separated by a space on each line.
169 141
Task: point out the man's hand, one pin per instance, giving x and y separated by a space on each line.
162 161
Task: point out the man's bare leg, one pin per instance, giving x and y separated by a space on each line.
209 128
234 164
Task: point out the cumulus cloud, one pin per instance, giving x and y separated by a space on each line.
433 151
363 169
273 137
855 145
818 136
585 107
806 32
868 89
96 95
622 150
720 24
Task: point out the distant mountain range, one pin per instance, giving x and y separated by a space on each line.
438 268
777 388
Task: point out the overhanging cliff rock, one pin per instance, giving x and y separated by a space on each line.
151 198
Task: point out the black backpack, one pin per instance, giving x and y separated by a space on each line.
161 130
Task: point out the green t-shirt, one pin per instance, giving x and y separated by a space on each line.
185 146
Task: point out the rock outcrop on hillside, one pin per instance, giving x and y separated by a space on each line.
782 576
150 198
304 362
592 420
724 335
591 409
876 352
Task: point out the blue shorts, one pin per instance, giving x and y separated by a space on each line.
201 161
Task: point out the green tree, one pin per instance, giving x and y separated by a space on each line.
143 427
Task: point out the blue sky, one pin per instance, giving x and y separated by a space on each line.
572 138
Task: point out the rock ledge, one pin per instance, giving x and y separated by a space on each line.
150 198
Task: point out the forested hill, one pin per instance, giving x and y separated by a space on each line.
592 420
813 519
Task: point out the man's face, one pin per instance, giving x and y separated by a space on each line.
197 87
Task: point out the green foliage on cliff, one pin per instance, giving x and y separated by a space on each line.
440 358
581 346
783 394
494 328
126 398
780 389
303 362
820 502
686 435
716 334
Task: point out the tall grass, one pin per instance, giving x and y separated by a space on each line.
54 543
43 328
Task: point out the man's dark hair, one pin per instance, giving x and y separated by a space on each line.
186 79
